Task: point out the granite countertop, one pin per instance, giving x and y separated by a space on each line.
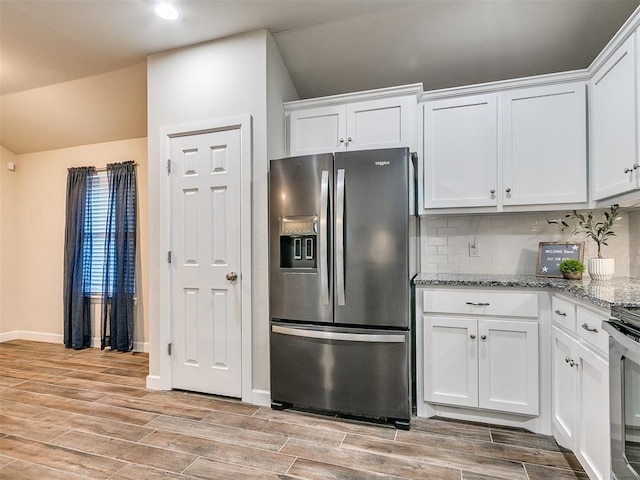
619 291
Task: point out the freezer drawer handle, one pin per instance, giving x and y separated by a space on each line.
479 304
340 185
345 337
323 266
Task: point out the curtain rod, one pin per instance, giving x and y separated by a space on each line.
101 169
104 169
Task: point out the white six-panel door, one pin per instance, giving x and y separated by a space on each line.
205 256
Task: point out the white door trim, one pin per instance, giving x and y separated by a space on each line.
244 124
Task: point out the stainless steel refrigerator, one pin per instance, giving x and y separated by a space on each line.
339 283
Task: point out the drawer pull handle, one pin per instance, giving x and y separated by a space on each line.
479 304
562 314
571 362
588 328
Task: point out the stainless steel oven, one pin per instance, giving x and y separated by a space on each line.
624 381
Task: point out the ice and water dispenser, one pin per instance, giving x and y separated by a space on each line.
298 242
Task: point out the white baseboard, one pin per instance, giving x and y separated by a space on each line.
58 338
35 336
7 336
261 398
154 382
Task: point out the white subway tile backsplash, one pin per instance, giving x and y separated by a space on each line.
508 243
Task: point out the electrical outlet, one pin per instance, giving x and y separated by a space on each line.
473 250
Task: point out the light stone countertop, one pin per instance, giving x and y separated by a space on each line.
619 291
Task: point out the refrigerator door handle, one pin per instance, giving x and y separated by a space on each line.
340 186
323 265
345 337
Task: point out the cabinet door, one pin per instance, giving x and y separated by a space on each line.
564 375
545 145
593 439
450 361
317 130
460 152
612 123
508 366
383 123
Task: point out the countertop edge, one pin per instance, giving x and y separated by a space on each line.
622 292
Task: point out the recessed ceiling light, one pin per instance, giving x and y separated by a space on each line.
167 11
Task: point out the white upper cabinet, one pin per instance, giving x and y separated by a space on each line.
613 125
544 141
460 152
383 118
317 130
512 150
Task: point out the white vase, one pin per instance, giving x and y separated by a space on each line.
601 268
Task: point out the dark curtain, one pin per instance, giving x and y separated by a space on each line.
77 313
120 253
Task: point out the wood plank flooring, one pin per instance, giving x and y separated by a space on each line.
71 415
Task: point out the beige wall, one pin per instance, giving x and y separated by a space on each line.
38 202
8 239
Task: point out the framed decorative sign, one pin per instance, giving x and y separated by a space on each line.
550 255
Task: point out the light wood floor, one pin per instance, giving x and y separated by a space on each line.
69 415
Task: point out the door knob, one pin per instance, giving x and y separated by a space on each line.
232 276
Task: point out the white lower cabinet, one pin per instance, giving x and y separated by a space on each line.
488 364
478 352
580 394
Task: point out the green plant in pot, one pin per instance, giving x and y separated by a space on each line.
571 269
598 230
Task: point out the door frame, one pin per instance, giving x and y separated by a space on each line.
243 123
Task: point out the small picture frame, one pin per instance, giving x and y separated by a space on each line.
550 254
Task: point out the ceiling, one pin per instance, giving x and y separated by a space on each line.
55 53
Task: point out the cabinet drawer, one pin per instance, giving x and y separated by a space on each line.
478 302
587 322
564 313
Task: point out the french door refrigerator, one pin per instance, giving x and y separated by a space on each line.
339 283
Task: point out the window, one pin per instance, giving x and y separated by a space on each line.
95 232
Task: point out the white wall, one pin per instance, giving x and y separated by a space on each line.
634 243
209 81
8 239
33 301
507 243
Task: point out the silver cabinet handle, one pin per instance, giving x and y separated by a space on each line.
627 170
478 304
508 190
566 359
339 233
472 336
483 337
562 314
636 166
349 139
492 191
588 328
570 361
341 140
232 276
323 267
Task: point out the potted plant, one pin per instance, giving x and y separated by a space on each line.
571 269
599 231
